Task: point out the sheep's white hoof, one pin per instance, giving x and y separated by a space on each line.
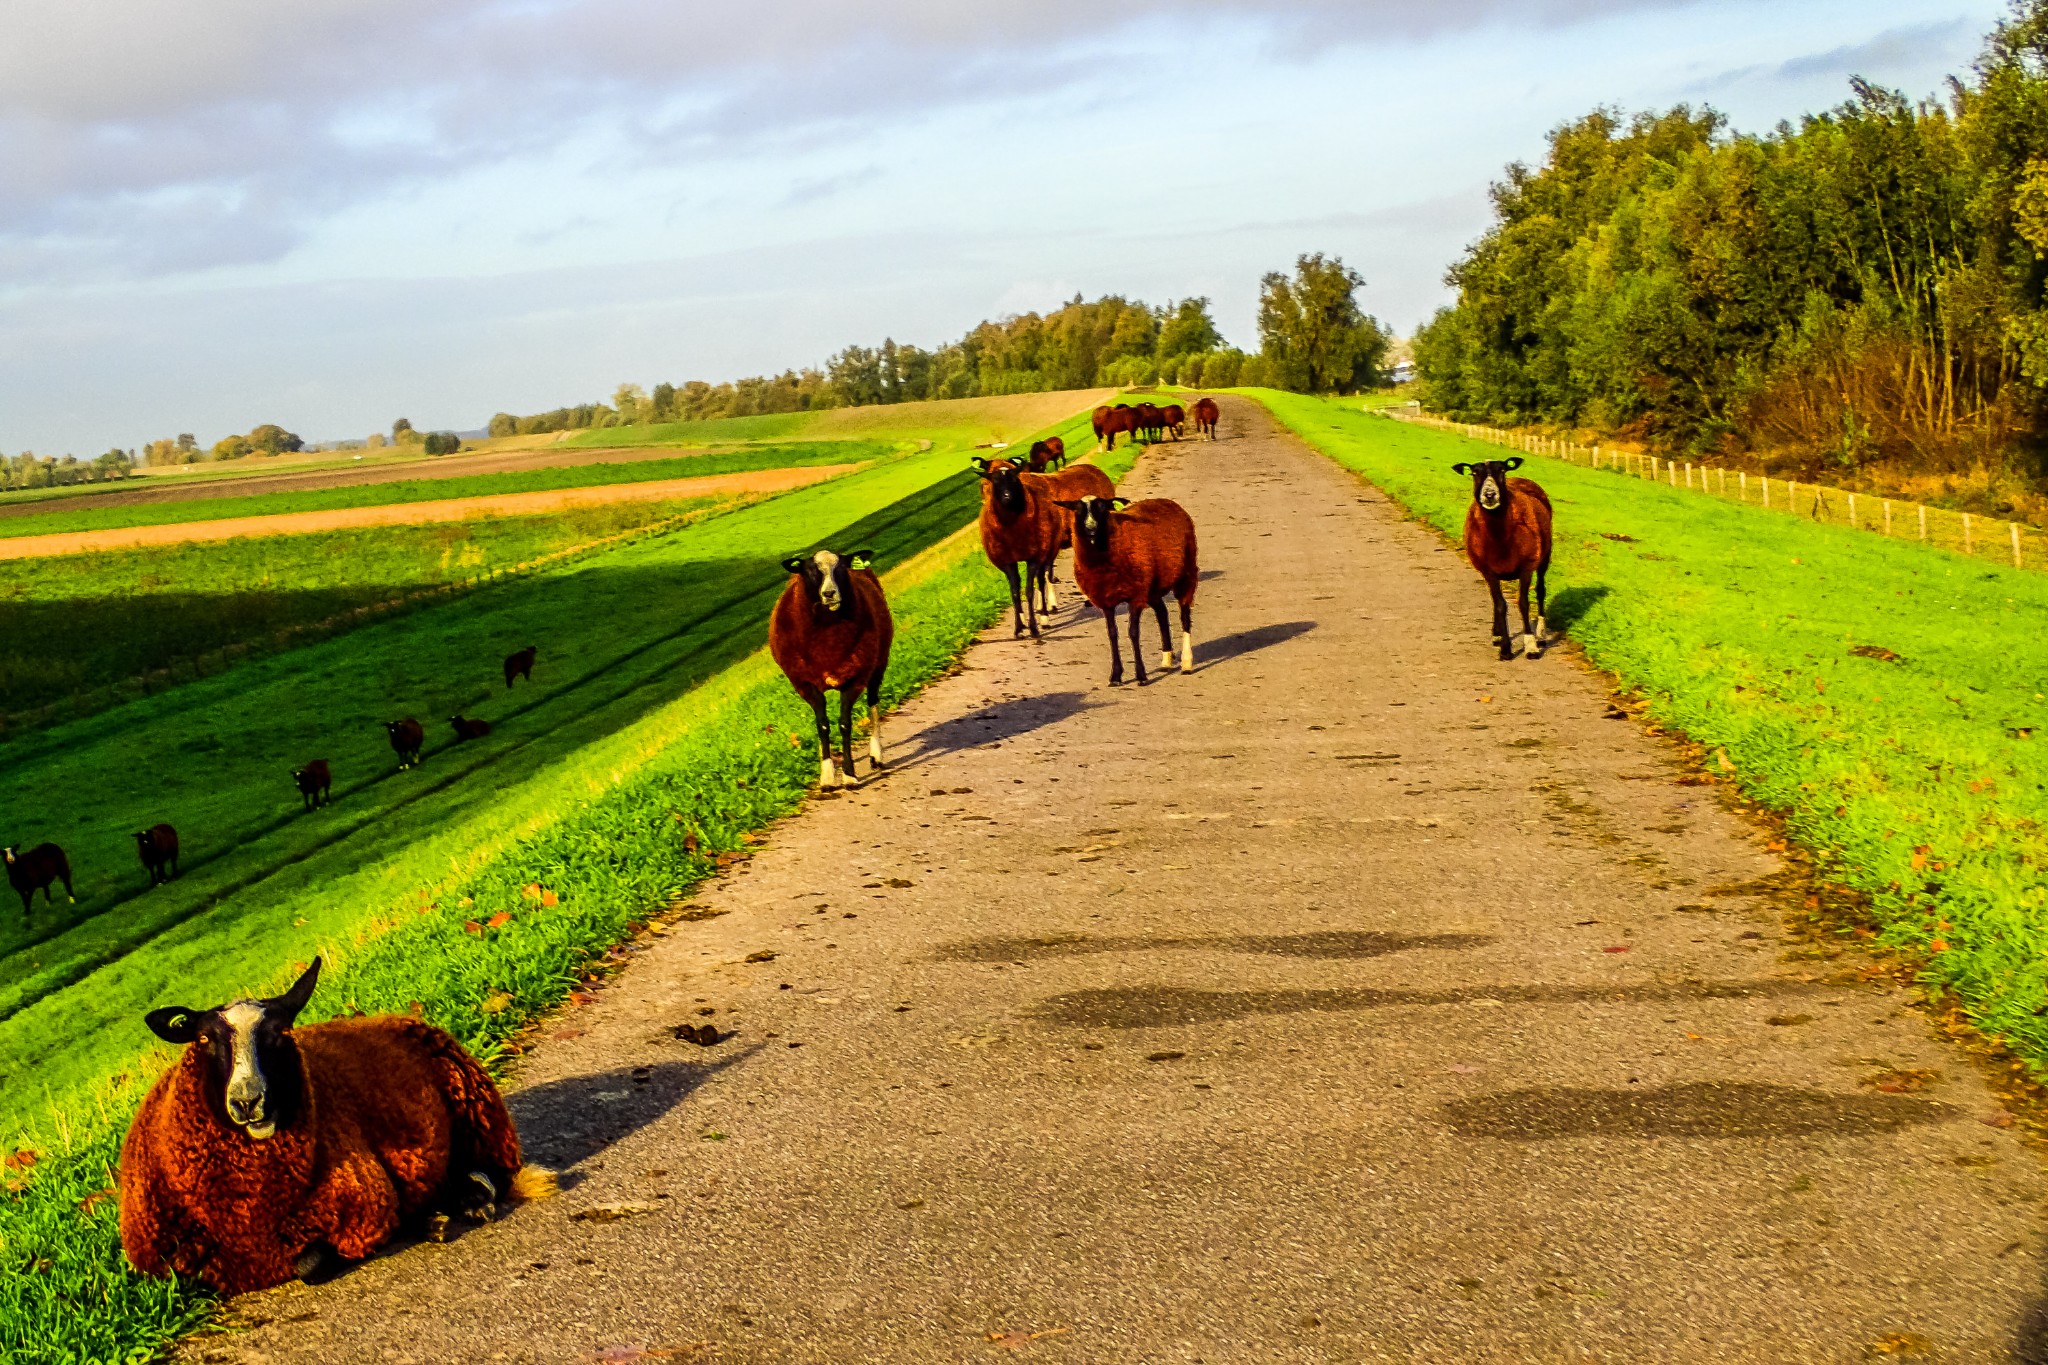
1529 646
1187 653
875 745
828 775
1165 660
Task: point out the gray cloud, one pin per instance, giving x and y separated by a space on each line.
141 138
1951 42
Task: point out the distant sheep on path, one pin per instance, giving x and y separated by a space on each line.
1205 418
265 1146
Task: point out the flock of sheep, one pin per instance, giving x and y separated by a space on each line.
267 1149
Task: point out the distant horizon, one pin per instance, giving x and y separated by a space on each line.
364 210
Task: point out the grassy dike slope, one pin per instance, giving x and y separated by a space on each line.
613 832
1920 782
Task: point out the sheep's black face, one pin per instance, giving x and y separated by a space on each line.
1490 480
1092 521
1005 486
252 1064
828 578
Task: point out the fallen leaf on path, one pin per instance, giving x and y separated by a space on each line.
499 920
1900 1344
20 1159
1997 1119
1164 1056
1878 652
761 955
470 926
1781 1020
1618 948
898 882
1901 1082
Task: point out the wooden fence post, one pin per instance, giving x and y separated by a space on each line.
1742 482
1887 516
1852 509
1968 549
2015 545
1767 490
1923 521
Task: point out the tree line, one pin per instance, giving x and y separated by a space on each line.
1865 288
1313 335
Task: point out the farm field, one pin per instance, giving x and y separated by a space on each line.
782 455
621 634
1887 698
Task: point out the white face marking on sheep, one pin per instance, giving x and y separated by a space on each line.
1489 493
247 1092
828 589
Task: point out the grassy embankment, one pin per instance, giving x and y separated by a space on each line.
782 455
595 809
1886 698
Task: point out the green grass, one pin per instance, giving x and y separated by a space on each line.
83 630
1920 783
789 455
601 823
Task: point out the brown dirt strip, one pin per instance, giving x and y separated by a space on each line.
417 513
167 487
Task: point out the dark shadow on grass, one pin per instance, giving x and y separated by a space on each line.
1568 607
566 1122
1226 647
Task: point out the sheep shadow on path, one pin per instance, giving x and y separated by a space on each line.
990 724
1226 647
563 1123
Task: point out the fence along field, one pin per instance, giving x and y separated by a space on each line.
1887 698
1960 532
619 633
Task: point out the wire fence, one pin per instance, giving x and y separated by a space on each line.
1963 533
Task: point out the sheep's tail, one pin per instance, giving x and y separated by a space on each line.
532 1182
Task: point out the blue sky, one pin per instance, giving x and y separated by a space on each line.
331 213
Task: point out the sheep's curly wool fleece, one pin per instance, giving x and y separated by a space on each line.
389 1108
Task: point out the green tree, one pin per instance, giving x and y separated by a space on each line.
1312 333
1188 330
504 424
272 439
402 432
442 443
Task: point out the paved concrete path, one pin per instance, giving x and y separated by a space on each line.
1356 998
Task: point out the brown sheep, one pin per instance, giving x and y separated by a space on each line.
1050 453
158 848
265 1146
1205 417
406 738
1507 535
1020 525
1175 419
35 870
1111 420
468 727
831 631
1134 558
520 665
315 783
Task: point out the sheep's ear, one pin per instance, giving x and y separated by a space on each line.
1120 502
979 462
1461 469
1071 504
175 1023
862 559
795 564
292 1001
1513 462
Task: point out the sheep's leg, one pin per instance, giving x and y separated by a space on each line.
828 775
1530 645
1016 601
1542 602
1052 587
1116 657
875 714
1137 611
1165 633
847 697
1500 618
1187 635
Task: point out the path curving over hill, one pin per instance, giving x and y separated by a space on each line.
1358 997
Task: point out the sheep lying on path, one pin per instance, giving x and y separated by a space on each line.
266 1145
831 631
1134 558
158 848
34 870
1507 535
